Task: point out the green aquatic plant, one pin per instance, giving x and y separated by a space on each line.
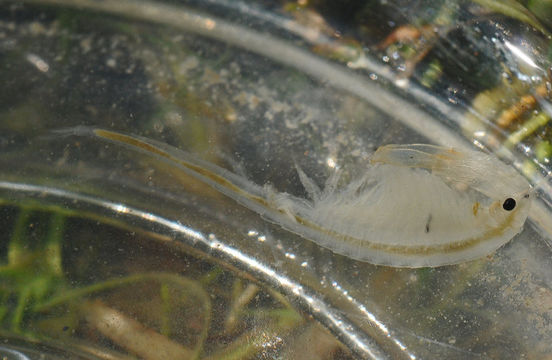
32 270
151 314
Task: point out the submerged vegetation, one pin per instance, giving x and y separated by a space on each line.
66 277
75 281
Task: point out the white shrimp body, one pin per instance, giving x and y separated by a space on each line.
414 206
420 205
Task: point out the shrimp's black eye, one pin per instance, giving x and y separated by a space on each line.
509 204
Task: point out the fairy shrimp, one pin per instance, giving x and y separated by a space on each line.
415 205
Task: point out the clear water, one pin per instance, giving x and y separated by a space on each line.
95 230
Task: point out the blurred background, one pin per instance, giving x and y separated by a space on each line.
106 252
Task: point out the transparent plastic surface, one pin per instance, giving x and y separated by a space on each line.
101 230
